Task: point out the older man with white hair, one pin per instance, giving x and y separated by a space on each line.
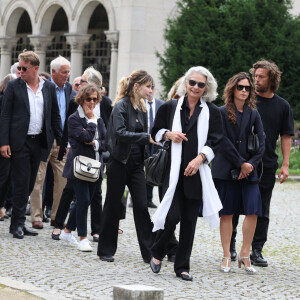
60 71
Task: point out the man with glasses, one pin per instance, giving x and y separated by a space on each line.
76 84
60 71
29 119
278 121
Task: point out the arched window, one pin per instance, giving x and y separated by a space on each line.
97 52
59 45
23 30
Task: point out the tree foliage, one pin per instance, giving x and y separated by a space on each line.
228 36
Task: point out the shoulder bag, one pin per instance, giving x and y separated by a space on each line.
156 166
86 168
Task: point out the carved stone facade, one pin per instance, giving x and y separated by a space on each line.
133 28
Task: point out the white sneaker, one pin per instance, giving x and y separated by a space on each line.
69 237
84 245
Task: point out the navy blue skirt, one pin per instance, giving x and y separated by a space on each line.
239 197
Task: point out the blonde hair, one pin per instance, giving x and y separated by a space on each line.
126 88
29 56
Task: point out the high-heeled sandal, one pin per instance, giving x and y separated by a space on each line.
227 268
249 270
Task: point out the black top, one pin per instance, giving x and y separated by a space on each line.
277 119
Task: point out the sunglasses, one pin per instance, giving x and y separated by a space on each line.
200 85
240 87
24 68
77 84
90 99
82 81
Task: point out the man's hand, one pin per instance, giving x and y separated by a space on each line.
5 151
284 172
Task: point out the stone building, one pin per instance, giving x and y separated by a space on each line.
115 36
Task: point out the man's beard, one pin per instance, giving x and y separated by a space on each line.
261 89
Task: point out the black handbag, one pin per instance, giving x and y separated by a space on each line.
253 141
156 166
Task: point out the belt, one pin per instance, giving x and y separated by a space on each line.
33 136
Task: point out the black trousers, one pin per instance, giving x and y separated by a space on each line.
118 176
48 187
185 211
66 200
25 164
4 179
261 232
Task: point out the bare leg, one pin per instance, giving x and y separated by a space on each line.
226 232
248 233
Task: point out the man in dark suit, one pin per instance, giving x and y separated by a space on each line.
60 71
29 116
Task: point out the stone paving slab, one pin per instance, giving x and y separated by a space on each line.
63 271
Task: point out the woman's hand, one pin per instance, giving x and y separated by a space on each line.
246 169
193 166
88 110
152 141
176 136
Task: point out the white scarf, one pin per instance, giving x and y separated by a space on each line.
211 201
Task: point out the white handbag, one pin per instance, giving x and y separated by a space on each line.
86 168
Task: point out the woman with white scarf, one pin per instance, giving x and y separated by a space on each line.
193 126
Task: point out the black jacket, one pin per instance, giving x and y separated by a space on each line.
15 115
121 130
234 144
164 119
80 133
105 110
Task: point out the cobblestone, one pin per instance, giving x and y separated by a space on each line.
62 270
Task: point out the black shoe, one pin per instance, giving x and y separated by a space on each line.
171 258
95 239
29 232
48 212
1 219
233 255
45 219
107 258
18 233
186 277
155 268
257 259
55 236
151 205
8 211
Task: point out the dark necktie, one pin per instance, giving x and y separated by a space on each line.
150 116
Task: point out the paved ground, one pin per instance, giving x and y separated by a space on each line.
64 272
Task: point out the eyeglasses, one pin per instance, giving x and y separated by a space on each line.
90 99
77 84
24 68
240 87
200 85
82 81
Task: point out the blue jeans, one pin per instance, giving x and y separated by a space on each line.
84 191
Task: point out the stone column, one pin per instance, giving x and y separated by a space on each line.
77 41
40 44
6 45
113 38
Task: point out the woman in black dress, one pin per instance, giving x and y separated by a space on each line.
240 195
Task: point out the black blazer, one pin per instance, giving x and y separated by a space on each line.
105 111
81 132
121 130
234 144
164 119
15 115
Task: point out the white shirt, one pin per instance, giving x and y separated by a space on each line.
148 108
36 105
